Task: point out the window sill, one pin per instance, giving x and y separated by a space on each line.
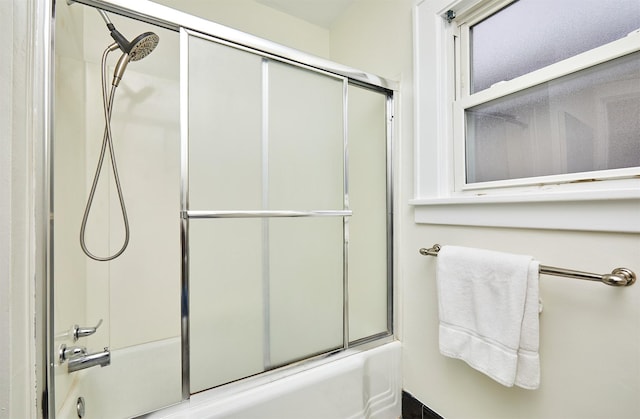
612 211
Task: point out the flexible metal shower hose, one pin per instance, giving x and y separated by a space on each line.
107 140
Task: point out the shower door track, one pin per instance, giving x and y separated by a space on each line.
166 17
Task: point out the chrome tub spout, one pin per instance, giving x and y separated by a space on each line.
80 362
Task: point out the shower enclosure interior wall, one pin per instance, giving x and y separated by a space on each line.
137 294
274 173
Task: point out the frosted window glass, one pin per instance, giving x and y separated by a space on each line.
306 287
225 114
582 122
531 34
306 139
623 131
225 301
368 225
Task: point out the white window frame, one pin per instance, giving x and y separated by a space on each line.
607 200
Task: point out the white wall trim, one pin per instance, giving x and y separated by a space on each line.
24 77
6 119
16 314
618 213
606 205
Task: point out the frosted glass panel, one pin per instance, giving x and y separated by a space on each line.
306 266
225 114
225 300
368 225
265 135
582 122
531 34
306 140
624 131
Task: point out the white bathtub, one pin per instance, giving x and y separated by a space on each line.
358 383
355 384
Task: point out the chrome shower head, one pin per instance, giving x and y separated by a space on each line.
142 45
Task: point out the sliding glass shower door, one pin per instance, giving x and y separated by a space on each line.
264 210
286 214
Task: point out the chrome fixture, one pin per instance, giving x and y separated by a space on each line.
81 362
67 352
619 277
79 359
81 332
80 407
194 214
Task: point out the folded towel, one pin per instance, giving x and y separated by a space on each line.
488 306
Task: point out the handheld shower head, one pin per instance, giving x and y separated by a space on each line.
140 47
145 43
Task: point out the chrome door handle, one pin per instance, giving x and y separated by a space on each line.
80 332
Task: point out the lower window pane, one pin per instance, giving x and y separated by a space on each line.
586 121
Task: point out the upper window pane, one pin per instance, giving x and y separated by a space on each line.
531 34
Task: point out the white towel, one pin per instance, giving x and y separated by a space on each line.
488 306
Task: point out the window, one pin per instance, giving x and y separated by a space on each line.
536 84
528 102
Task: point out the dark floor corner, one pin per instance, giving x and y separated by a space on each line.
412 408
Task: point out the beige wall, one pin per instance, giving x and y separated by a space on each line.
259 20
590 333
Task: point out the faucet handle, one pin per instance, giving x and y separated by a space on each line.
66 352
80 332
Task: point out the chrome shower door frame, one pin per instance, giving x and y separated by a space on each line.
156 14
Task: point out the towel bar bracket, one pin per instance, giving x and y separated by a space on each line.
619 277
627 275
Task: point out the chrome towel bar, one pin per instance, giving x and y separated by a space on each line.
265 214
619 277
